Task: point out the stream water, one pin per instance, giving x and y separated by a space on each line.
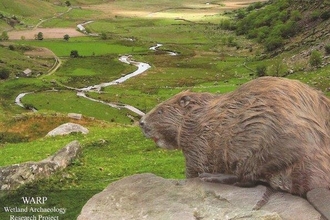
141 68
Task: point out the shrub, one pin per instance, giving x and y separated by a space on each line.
258 5
273 42
103 36
282 4
261 71
66 37
4 36
327 49
315 15
7 137
270 25
231 42
11 47
295 15
226 24
4 73
74 53
240 14
315 59
289 29
39 36
325 15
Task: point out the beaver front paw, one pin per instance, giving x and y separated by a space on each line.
218 178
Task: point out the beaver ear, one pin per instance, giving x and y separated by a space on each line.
184 101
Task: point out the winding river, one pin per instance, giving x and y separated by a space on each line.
141 68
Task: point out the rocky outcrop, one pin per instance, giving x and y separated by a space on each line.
68 128
146 196
11 177
75 116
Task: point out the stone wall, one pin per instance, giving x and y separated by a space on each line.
13 176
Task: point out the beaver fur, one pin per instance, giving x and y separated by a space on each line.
272 130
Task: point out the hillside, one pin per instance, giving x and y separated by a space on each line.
23 14
314 31
287 25
294 35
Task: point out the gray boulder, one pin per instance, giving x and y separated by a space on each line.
12 177
147 196
67 128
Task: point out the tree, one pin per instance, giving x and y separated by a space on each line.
40 36
4 73
66 37
74 54
316 58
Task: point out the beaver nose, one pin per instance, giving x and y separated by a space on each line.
141 122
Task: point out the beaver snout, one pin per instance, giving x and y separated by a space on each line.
141 122
144 127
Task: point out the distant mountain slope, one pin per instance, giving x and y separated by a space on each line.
25 12
285 23
294 31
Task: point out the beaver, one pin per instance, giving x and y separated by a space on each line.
271 130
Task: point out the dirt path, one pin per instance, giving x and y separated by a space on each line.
51 33
47 32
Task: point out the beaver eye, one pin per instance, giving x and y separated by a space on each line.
160 111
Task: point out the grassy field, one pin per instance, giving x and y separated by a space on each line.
106 157
85 47
18 62
209 60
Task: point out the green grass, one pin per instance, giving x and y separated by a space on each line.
16 61
32 151
318 79
93 47
28 12
68 102
109 153
59 22
12 88
28 8
87 71
71 18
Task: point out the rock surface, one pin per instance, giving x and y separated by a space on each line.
75 116
12 177
146 196
67 128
